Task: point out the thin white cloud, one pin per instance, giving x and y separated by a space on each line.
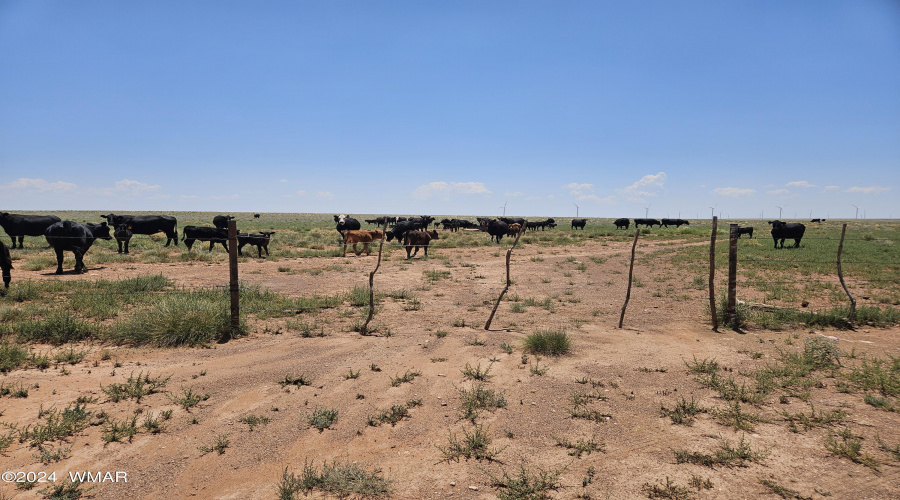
578 189
867 190
778 192
644 187
38 185
445 189
301 193
802 184
831 188
514 195
133 188
734 192
325 194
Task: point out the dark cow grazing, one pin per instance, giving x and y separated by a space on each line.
534 225
5 264
622 223
401 228
76 238
496 228
787 230
381 221
346 223
190 234
818 220
646 222
256 216
147 224
745 230
418 239
360 236
513 220
579 223
123 234
259 240
221 221
451 225
675 222
20 226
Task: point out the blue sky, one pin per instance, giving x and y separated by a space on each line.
621 108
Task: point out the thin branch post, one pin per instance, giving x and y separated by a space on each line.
630 274
364 330
487 325
712 275
852 314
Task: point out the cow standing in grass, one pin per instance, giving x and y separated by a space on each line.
76 238
20 226
360 236
418 239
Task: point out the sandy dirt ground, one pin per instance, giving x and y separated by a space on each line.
633 371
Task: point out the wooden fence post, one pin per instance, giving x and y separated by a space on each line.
732 275
852 314
630 273
508 281
233 285
712 275
364 330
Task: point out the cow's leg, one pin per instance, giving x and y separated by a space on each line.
80 268
259 251
21 242
120 245
426 249
266 246
211 243
59 260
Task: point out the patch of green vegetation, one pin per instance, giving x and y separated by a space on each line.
322 418
134 387
475 444
548 342
526 484
339 479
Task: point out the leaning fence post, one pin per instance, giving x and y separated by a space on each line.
365 328
712 275
852 314
630 272
732 274
233 285
508 281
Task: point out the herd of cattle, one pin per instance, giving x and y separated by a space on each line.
413 232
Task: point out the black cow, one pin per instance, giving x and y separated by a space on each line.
418 239
818 220
190 234
123 234
467 224
622 223
674 222
513 220
540 224
787 230
451 225
256 216
400 229
260 240
221 221
496 228
579 223
147 224
345 223
5 264
76 238
646 222
21 226
745 230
